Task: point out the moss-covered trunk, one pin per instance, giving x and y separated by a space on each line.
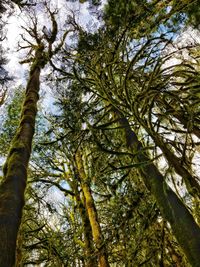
92 214
183 225
15 170
90 258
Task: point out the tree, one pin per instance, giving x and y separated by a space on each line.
15 169
132 89
65 132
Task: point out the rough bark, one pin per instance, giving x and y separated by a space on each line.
92 214
15 169
183 225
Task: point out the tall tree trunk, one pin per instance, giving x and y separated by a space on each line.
15 170
92 214
90 259
183 225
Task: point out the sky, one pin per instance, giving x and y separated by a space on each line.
14 33
14 30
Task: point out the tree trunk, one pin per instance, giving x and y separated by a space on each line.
15 170
183 225
92 214
90 259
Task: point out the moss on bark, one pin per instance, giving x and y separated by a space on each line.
92 214
15 170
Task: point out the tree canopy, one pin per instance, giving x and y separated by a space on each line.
104 171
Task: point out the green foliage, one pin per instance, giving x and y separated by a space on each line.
12 119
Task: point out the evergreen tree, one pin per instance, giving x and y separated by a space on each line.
128 75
